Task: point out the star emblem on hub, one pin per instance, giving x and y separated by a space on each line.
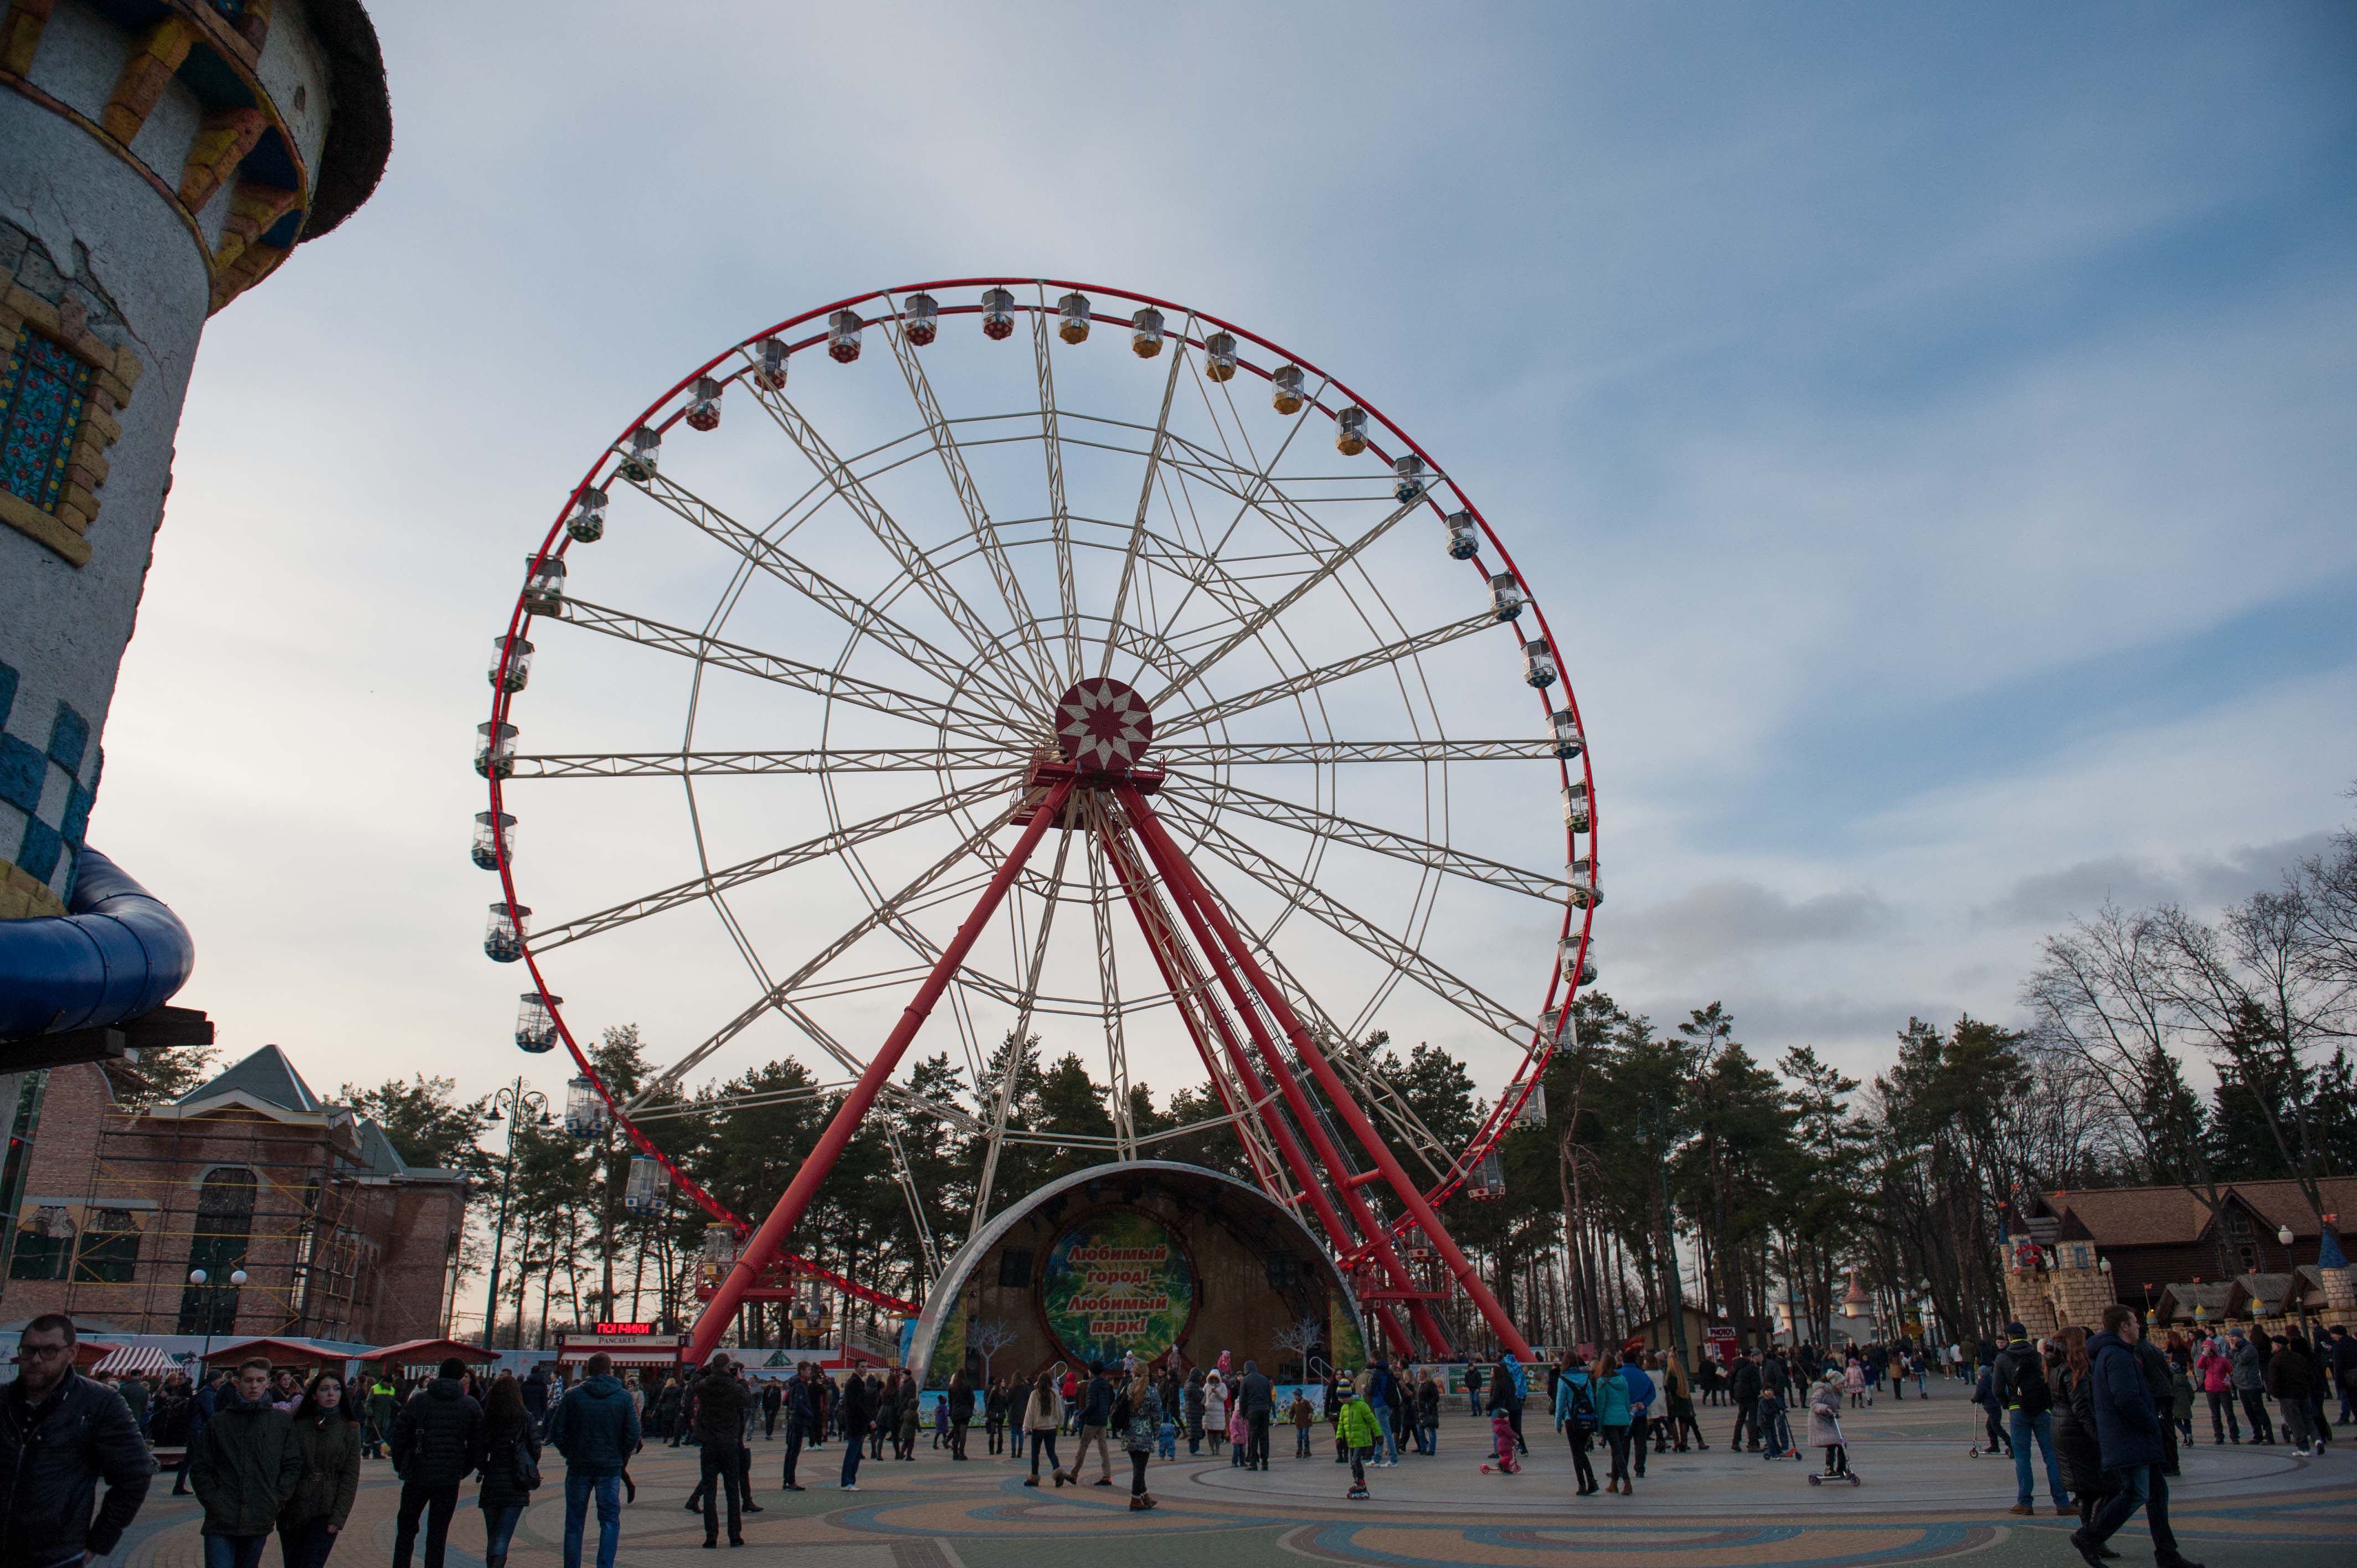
1103 723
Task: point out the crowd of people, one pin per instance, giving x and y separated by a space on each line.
268 1453
2109 1413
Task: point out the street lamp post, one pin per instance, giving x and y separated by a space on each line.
2291 1269
519 1103
213 1289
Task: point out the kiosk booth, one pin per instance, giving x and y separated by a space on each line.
635 1346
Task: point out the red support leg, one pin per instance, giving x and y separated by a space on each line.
1178 971
1374 1238
1175 868
1187 990
763 1248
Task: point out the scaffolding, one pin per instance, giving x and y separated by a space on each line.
225 1191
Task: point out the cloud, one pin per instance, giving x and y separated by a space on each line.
2203 882
1726 920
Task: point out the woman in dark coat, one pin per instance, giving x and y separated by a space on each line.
2076 1444
327 1431
511 1460
961 1403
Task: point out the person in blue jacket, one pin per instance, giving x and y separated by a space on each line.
1612 1419
1521 1377
1575 1416
2128 1431
1642 1394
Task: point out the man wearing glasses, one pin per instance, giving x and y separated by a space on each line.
60 1434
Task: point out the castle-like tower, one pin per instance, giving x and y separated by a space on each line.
157 159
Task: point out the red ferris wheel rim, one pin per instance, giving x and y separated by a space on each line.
1502 1114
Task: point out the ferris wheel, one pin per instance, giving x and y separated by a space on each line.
1173 706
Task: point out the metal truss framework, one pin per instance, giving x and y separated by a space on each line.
1231 545
1288 1133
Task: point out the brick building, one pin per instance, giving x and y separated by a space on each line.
114 1205
2162 1250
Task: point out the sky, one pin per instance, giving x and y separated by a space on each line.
1927 428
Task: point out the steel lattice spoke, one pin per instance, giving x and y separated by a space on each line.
1223 754
813 679
1178 360
1108 986
1347 922
1051 444
663 1082
1016 1045
697 764
969 495
1383 841
1324 675
854 610
824 847
905 554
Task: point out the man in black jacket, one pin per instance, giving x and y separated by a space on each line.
245 1469
60 1434
536 1399
1259 1397
1096 1414
438 1441
803 1415
721 1400
1744 1390
772 1398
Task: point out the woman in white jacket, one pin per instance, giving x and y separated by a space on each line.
1215 1411
1043 1417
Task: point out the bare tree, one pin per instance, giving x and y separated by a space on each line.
988 1337
2108 999
2269 994
1299 1339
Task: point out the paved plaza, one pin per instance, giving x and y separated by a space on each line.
1923 1500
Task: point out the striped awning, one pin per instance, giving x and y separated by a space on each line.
136 1360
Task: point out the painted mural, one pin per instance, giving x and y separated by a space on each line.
1117 1282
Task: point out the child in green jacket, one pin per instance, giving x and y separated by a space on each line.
1355 1428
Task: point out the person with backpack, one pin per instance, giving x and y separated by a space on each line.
2019 1376
511 1468
2128 1432
1575 1416
596 1427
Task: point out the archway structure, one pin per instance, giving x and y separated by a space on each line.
1148 1256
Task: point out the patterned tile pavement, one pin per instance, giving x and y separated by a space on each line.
1924 1500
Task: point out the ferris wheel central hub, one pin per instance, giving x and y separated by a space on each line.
1102 725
